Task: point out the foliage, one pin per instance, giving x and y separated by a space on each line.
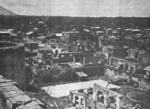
57 74
58 24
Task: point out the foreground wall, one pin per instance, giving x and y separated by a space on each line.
12 62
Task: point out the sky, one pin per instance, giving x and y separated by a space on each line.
84 8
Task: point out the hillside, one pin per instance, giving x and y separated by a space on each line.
4 11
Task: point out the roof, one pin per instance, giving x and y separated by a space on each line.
2 80
45 48
64 89
147 68
74 64
58 34
14 95
136 30
4 32
41 37
71 53
99 31
6 84
8 88
8 31
32 105
29 33
20 99
42 22
86 30
81 74
112 37
29 106
128 29
11 92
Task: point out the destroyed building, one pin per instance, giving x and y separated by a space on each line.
108 97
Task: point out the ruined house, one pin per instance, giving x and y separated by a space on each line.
141 56
100 97
94 60
123 64
118 52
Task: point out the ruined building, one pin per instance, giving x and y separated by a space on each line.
101 97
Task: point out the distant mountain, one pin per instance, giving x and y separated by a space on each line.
4 11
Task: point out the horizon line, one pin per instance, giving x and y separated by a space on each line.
77 16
